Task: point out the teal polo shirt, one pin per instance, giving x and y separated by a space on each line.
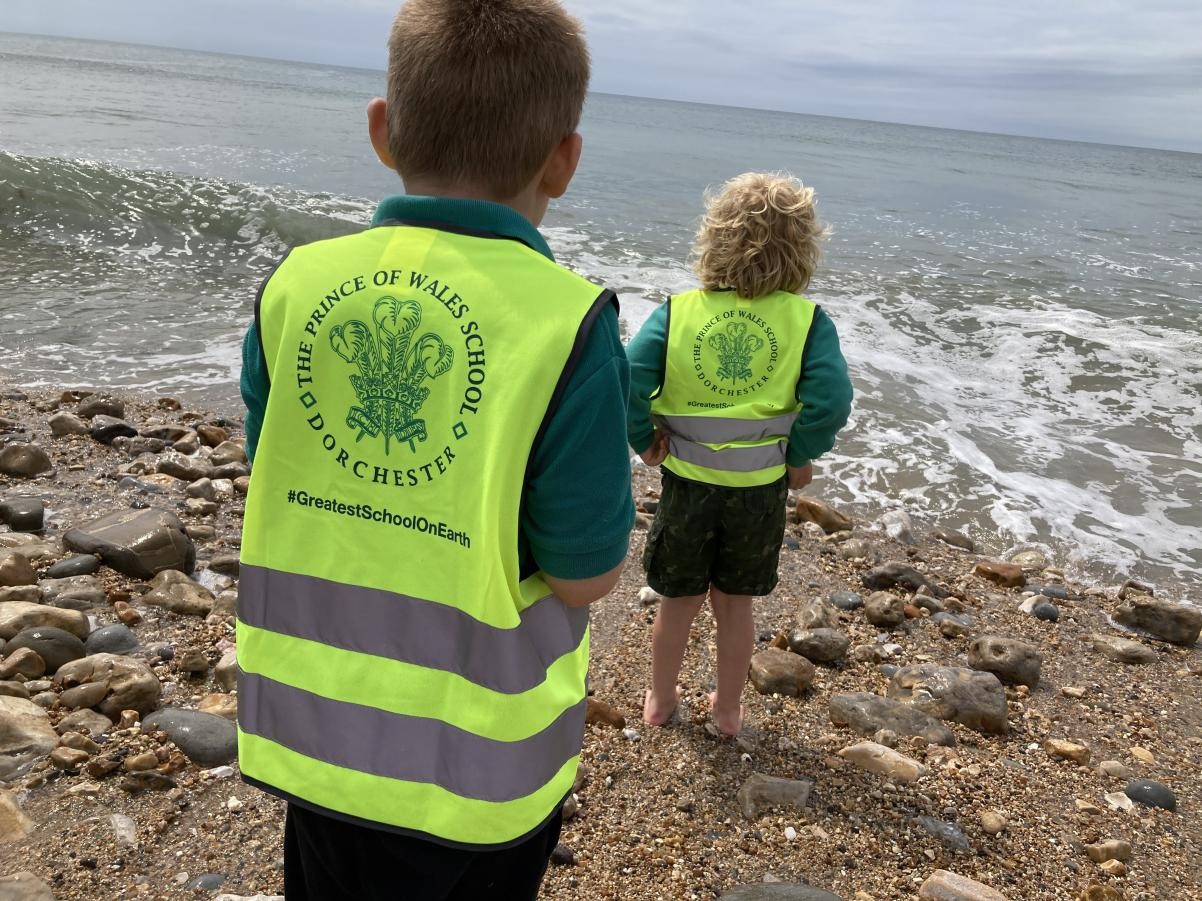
577 510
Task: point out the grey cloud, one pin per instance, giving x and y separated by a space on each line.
1111 70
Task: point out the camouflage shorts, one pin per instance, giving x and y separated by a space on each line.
705 534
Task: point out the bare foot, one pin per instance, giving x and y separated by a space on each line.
729 723
656 712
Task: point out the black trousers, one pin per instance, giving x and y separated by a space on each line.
326 859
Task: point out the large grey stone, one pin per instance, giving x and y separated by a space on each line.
774 671
55 646
819 645
24 461
64 424
1161 619
761 793
206 739
107 429
1122 650
24 886
893 575
101 405
73 592
867 714
884 609
1014 662
966 696
117 638
25 735
138 543
129 683
226 453
24 514
816 613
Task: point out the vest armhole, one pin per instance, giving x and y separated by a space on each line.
663 381
259 314
604 299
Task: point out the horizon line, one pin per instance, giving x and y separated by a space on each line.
709 103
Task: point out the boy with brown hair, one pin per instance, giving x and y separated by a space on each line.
419 550
735 388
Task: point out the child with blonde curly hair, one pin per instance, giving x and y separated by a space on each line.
735 389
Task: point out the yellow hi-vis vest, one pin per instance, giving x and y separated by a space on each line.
395 667
729 395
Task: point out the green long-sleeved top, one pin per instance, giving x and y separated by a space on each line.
577 509
823 388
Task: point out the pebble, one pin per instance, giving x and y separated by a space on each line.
1119 801
207 882
949 834
876 758
205 738
24 514
125 830
1030 559
810 509
648 596
1049 613
1143 755
1151 794
631 734
563 856
1004 575
1113 849
1115 868
1067 750
24 461
944 885
79 565
599 711
955 539
760 793
993 822
790 833
847 600
1115 769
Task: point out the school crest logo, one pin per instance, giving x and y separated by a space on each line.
393 366
735 350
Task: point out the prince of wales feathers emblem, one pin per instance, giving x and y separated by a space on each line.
392 367
735 350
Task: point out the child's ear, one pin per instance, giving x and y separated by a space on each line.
377 131
561 166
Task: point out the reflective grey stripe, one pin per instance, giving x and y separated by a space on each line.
733 459
717 430
411 630
411 748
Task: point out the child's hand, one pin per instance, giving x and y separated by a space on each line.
800 476
657 452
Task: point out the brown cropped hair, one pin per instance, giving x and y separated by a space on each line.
760 234
481 91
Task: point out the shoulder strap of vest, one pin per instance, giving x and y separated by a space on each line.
259 313
604 299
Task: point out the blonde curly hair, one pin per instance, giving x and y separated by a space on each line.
760 234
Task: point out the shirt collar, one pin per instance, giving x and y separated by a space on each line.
455 212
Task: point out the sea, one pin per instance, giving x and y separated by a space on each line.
1022 317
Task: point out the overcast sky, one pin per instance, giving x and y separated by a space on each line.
1117 71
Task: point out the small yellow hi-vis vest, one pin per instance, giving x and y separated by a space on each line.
395 667
729 395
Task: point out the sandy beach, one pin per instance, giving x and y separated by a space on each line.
1026 789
